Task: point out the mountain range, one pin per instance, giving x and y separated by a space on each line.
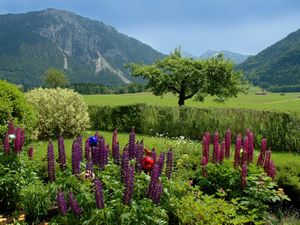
88 51
277 65
237 58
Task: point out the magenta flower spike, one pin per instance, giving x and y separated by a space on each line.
51 161
61 203
169 164
244 175
227 143
222 151
238 146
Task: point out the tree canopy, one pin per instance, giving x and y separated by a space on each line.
55 78
188 77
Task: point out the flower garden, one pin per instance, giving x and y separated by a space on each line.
227 179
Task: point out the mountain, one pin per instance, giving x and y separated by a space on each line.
88 51
237 58
277 65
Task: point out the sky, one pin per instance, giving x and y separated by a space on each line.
244 26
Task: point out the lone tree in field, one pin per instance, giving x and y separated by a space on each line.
187 77
55 78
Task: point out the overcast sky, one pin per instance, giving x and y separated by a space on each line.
245 26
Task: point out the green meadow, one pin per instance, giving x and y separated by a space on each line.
271 101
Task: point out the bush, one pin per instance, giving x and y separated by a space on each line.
35 201
14 106
60 111
282 129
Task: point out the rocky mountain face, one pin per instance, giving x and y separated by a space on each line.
88 51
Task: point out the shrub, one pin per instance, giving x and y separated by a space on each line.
282 129
35 201
14 106
60 111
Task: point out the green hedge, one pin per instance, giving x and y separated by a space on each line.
281 129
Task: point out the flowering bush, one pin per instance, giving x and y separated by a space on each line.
60 111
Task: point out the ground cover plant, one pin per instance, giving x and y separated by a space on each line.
80 184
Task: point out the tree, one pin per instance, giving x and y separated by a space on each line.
189 77
55 78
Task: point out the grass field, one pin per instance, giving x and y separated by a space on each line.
180 146
272 101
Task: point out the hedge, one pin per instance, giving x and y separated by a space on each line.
282 129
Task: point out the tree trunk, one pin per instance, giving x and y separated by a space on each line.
181 99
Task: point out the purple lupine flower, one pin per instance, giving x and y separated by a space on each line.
267 160
30 152
61 153
169 164
74 204
259 160
238 145
139 156
245 150
204 164
61 203
216 152
124 164
99 194
205 152
114 138
222 151
87 150
129 184
6 144
102 153
51 161
271 170
116 153
154 180
17 141
263 149
227 143
157 193
132 144
250 147
10 128
75 157
106 155
244 175
160 163
207 137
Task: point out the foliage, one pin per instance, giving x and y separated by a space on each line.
225 181
187 77
55 78
15 107
35 201
15 175
280 128
60 111
205 209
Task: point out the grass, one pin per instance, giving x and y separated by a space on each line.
272 101
181 146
